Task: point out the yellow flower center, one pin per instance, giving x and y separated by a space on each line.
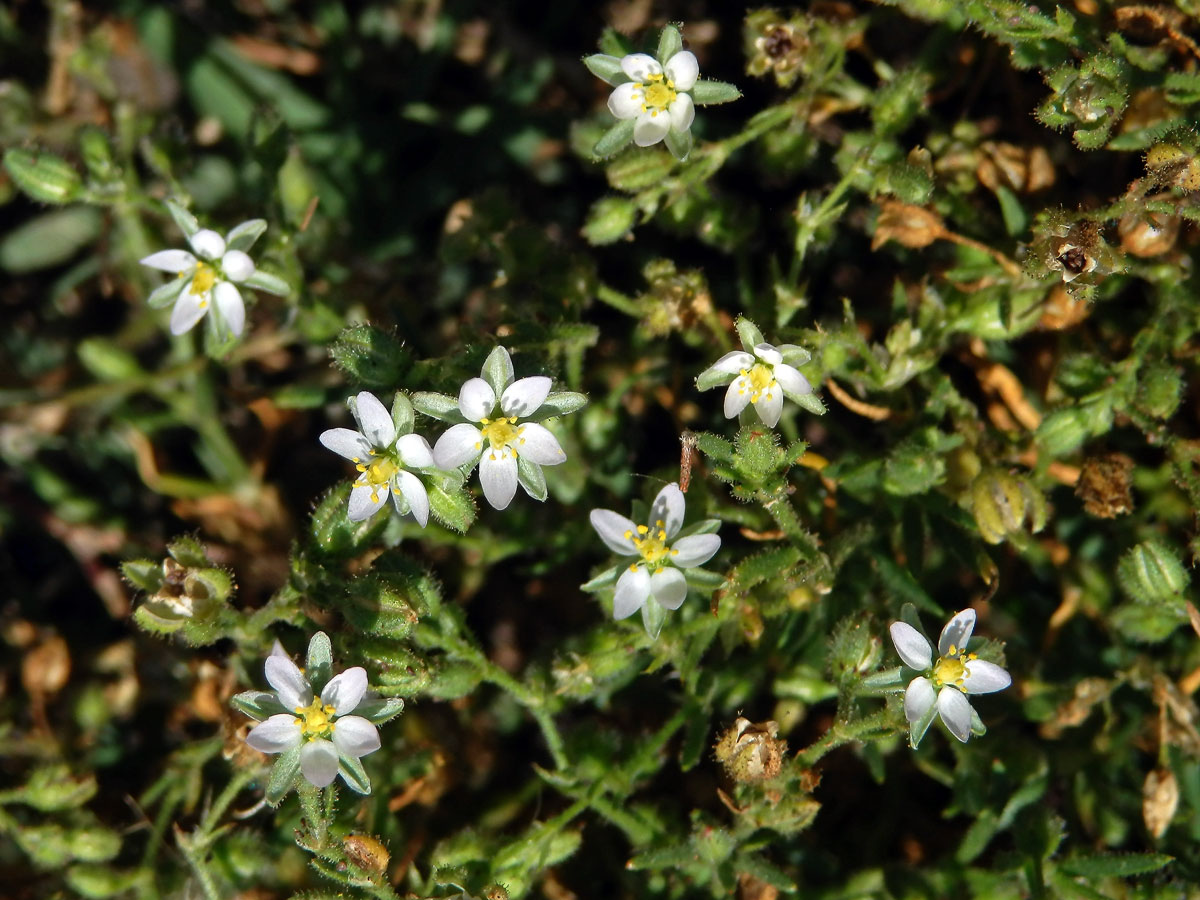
952 668
376 475
203 280
315 720
658 93
760 379
651 544
500 433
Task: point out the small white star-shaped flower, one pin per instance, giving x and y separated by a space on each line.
945 684
657 97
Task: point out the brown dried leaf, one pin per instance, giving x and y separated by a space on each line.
1160 799
910 226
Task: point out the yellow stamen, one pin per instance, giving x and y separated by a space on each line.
949 670
203 280
500 433
653 547
315 720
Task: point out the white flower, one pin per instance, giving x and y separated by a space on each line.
206 278
383 460
501 441
658 96
761 378
946 682
656 571
319 725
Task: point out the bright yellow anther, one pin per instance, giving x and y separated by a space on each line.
315 720
499 432
949 670
203 280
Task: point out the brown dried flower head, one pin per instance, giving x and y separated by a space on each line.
750 751
1104 485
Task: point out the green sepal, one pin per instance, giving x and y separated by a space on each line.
283 776
378 710
450 504
403 417
704 526
670 42
166 294
605 579
558 403
531 478
258 705
442 407
810 402
748 334
702 579
653 617
908 615
185 220
265 281
354 774
712 377
498 370
794 355
679 143
978 729
887 681
709 93
917 729
318 668
615 139
606 68
1115 865
243 236
143 573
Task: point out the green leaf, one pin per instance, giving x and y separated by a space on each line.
258 705
185 220
670 42
265 281
243 236
559 403
318 668
606 68
43 176
616 138
498 370
49 239
679 143
710 93
442 407
531 478
1115 865
283 776
354 774
749 334
609 220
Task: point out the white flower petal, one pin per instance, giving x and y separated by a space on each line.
414 492
768 354
737 396
791 380
957 632
229 304
770 405
460 444
207 244
955 711
476 399
537 444
626 101
374 420
236 265
651 127
355 736
344 442
615 530
694 550
682 112
189 309
668 587
319 762
918 697
912 646
733 362
289 682
173 261
525 395
983 677
275 735
366 500
683 69
668 507
640 66
345 690
414 451
633 587
498 475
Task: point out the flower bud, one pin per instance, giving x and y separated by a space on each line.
1148 234
633 172
371 357
1159 389
366 852
609 220
1002 502
43 176
1151 573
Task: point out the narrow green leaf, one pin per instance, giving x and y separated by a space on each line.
1115 865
